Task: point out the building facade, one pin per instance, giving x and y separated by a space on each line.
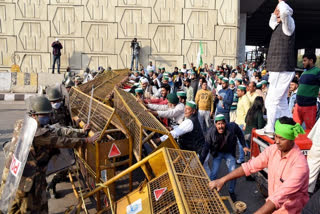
99 32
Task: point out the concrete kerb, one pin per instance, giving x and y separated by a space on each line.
15 96
16 86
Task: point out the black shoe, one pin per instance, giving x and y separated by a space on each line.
310 194
233 196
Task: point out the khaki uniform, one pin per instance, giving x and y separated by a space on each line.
31 194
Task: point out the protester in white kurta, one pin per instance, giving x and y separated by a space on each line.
174 110
149 91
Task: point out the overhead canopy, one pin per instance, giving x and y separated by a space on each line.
306 16
249 6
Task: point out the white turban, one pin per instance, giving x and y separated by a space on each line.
144 80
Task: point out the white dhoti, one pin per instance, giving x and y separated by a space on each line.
314 156
276 101
314 166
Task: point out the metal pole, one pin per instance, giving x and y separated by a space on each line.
90 105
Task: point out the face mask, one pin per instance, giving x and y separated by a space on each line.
44 120
56 105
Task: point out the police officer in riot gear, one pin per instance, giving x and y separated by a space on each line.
60 113
31 194
68 84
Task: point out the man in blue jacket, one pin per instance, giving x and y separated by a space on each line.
225 96
221 142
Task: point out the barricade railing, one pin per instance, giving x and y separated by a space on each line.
104 84
179 185
142 125
98 162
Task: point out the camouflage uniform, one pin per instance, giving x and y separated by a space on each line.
31 195
61 116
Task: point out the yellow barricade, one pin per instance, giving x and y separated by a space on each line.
104 84
141 124
179 185
98 162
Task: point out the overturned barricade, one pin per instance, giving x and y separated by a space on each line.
104 84
98 162
179 185
142 125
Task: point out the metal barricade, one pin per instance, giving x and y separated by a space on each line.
141 124
180 185
98 80
104 84
98 161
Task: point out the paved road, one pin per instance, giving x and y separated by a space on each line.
11 111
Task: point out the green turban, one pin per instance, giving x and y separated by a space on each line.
219 117
191 104
242 87
287 131
173 98
138 90
181 94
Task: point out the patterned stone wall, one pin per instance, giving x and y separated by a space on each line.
98 32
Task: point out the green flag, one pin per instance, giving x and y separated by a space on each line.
199 58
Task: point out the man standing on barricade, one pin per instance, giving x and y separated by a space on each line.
280 63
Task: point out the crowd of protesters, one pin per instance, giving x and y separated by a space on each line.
213 110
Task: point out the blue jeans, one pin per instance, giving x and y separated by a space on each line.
241 152
208 164
135 57
56 59
231 164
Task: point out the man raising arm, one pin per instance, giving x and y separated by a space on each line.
287 171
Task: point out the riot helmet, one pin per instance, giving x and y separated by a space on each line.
53 94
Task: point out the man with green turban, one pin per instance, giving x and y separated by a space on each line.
288 172
189 134
173 111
